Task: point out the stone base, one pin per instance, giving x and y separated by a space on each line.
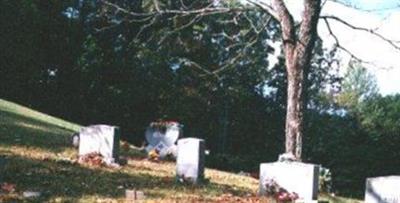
295 177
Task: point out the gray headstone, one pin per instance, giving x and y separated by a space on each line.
75 140
102 139
2 167
190 160
384 189
297 177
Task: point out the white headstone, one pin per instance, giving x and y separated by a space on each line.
384 189
190 160
102 139
297 177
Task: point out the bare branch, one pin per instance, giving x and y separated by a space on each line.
323 3
97 30
248 19
266 7
236 58
254 27
223 34
118 8
338 45
246 45
287 26
191 22
232 21
183 5
112 26
308 26
156 5
371 31
189 62
153 21
204 11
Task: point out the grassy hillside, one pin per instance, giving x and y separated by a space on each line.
18 113
40 158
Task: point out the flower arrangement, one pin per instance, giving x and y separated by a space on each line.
162 126
325 180
279 193
154 155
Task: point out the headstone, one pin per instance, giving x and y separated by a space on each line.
2 167
31 194
162 136
384 189
295 177
75 140
102 139
134 195
190 160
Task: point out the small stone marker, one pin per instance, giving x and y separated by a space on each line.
297 177
75 140
134 195
2 166
385 189
31 194
190 160
102 139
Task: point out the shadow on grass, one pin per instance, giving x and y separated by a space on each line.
62 179
70 181
19 130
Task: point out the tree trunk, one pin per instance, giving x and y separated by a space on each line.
294 108
298 47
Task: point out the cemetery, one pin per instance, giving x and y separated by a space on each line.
97 169
275 101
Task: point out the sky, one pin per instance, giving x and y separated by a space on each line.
383 5
385 63
384 60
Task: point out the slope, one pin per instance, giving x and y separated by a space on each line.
40 159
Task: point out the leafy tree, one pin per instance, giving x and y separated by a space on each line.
298 42
42 46
358 86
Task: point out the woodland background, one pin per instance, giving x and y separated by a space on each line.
62 58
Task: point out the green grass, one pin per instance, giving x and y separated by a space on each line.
40 158
329 198
38 117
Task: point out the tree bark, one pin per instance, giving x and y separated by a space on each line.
298 52
294 108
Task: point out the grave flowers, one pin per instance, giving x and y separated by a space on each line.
279 193
162 126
